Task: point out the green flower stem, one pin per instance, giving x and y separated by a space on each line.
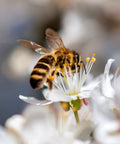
76 116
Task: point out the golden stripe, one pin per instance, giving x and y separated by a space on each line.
40 70
36 77
44 64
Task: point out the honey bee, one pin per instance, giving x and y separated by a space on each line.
52 60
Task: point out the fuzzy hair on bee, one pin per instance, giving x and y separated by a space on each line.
52 61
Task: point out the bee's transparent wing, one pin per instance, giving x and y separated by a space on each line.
53 39
30 44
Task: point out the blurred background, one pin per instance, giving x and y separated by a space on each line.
87 26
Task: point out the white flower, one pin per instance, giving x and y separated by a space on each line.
105 93
109 87
108 133
106 111
110 82
6 137
69 86
41 125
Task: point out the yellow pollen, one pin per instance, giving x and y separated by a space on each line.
93 59
75 63
94 54
118 67
81 64
51 78
87 59
57 69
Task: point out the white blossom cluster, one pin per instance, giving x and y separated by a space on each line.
99 113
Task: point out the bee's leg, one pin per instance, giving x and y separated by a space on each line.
81 62
50 84
50 80
58 74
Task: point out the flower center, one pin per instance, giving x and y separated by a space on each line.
73 93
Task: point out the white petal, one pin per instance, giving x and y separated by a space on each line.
108 65
106 86
15 124
6 137
84 94
32 100
55 95
103 133
91 86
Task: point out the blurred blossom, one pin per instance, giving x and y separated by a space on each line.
103 96
41 125
74 31
109 85
84 132
19 63
6 137
79 31
105 90
107 123
106 111
108 133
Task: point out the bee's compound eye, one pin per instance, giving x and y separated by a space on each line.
59 59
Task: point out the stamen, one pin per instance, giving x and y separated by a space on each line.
76 70
88 67
94 54
62 83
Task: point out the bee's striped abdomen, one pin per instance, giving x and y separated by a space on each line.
41 71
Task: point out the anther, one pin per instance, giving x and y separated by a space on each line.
87 59
94 54
51 78
57 69
81 64
93 59
118 67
